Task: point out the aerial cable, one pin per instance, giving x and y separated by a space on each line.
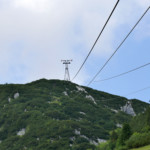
96 41
118 47
138 91
118 97
123 73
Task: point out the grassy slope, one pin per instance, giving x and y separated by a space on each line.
142 148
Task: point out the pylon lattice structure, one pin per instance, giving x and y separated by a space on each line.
66 63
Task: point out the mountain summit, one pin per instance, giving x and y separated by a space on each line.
54 114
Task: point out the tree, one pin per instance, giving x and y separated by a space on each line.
113 139
148 117
125 133
113 136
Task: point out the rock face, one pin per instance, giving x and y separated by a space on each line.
21 132
82 113
77 132
9 99
128 109
114 110
119 125
65 93
81 89
91 98
16 95
98 141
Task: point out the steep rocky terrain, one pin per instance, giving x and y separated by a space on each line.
54 114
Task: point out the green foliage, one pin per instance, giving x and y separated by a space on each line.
122 147
138 140
138 106
123 139
148 117
113 136
125 133
50 118
141 123
142 148
103 146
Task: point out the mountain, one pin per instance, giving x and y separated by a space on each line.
60 115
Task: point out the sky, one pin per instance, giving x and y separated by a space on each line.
35 35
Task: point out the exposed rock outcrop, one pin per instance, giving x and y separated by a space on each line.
9 99
91 98
81 89
128 109
21 132
119 125
16 95
65 93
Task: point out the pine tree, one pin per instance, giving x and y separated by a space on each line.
125 133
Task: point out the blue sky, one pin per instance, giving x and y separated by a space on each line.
36 34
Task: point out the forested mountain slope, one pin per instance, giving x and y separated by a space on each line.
54 114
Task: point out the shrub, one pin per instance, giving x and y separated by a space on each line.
103 146
122 148
138 140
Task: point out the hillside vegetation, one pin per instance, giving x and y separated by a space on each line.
134 134
142 148
54 114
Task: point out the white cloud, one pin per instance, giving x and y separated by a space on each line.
36 34
34 5
144 3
